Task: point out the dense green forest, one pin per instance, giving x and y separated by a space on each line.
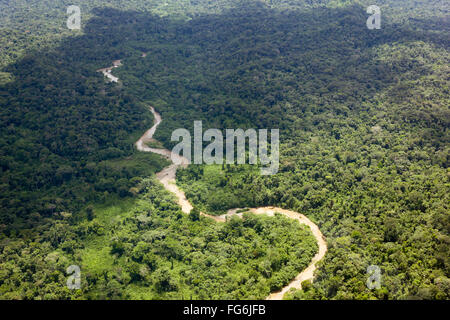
145 248
363 117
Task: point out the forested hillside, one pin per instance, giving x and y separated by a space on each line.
363 117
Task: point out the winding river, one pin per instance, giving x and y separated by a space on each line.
167 178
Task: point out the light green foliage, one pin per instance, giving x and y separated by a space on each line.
149 249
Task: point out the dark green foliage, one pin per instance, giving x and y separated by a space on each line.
194 215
